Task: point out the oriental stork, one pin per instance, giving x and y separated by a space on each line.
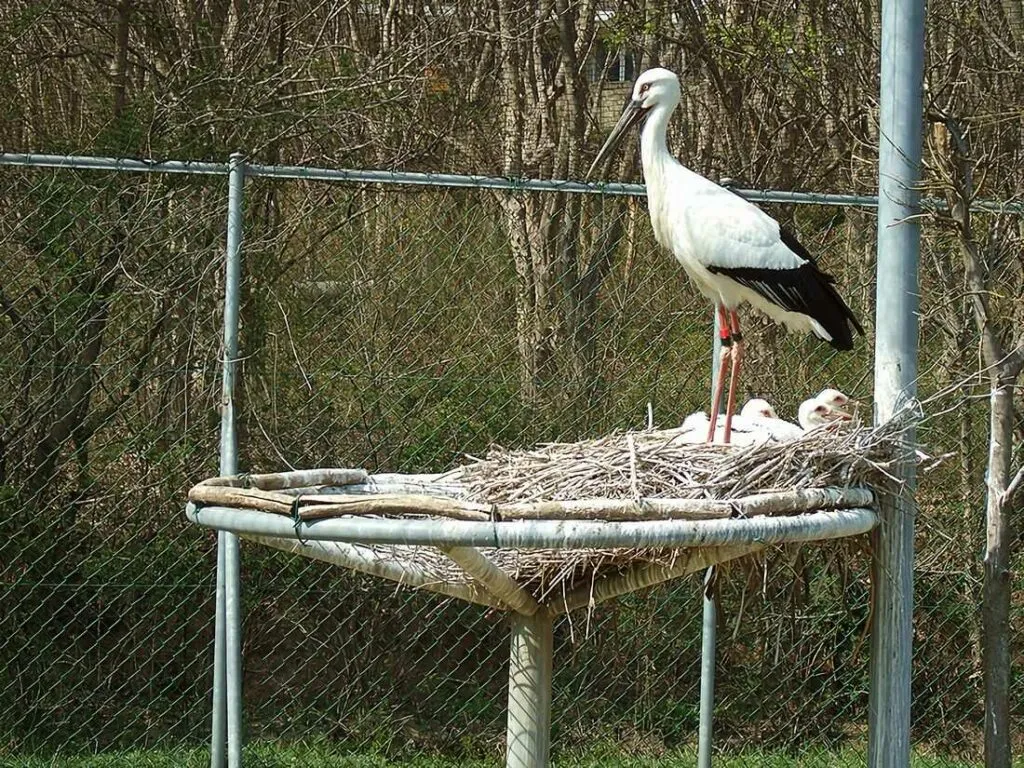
732 250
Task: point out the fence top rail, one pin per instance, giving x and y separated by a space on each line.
450 180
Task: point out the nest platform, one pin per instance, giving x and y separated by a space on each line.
566 525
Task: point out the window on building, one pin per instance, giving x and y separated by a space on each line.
614 65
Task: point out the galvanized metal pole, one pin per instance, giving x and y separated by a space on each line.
709 640
709 623
218 728
528 734
230 621
896 332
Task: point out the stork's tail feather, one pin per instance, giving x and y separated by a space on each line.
835 315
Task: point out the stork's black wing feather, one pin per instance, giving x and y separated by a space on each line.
804 289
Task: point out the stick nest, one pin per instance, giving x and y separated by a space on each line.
658 464
638 465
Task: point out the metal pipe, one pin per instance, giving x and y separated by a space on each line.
896 331
84 163
709 638
450 180
543 534
508 592
646 575
388 566
229 460
528 733
709 616
218 726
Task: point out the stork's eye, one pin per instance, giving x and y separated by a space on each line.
645 88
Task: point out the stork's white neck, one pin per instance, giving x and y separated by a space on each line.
654 154
657 162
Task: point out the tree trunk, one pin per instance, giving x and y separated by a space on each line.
995 610
119 70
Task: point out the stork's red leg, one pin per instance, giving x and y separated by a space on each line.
737 360
716 398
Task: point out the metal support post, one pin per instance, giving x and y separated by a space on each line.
528 734
709 623
707 671
896 332
218 729
227 673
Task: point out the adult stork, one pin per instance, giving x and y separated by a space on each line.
732 250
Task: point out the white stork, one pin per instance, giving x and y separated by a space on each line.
732 250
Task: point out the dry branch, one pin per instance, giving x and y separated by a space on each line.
778 502
392 504
302 478
247 498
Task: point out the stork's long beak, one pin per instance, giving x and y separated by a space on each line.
631 115
838 414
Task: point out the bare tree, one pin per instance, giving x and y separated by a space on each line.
988 263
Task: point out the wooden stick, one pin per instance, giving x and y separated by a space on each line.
246 498
616 509
647 575
301 478
776 502
497 582
396 504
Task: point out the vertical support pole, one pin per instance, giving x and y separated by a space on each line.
227 678
218 728
707 671
528 735
709 623
896 332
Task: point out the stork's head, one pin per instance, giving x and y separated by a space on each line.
815 413
758 409
655 88
837 401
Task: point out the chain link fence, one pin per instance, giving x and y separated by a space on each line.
398 328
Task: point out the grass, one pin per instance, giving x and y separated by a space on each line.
323 755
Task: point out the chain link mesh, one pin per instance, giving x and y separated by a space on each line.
398 329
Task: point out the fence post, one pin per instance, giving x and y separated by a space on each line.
709 623
528 734
218 728
227 672
709 640
896 330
